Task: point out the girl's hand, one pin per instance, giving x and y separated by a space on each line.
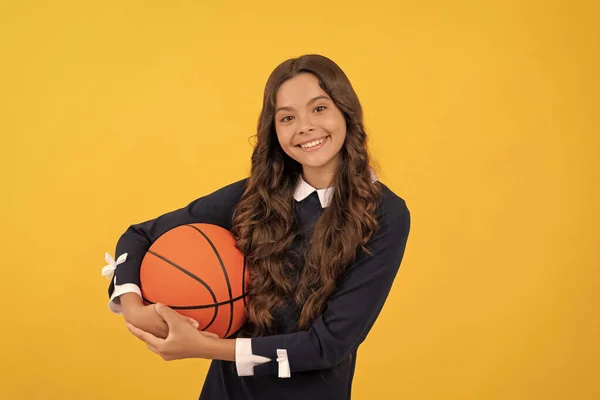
183 339
147 319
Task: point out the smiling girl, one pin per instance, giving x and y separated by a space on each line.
323 240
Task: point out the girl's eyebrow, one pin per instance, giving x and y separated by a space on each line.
309 102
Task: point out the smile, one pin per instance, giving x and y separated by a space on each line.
314 145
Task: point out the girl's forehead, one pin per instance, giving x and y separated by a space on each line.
298 90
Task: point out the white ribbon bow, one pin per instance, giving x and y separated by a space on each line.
284 364
112 264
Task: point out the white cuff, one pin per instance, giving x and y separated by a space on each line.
244 359
114 304
284 363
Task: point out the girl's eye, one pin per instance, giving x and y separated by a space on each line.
320 108
285 119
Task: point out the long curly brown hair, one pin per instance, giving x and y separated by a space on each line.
264 221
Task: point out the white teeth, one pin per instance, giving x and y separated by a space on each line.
312 144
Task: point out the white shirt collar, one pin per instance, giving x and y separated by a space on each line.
304 189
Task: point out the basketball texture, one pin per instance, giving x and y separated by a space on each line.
197 270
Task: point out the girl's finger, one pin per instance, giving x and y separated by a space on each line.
193 322
152 348
209 334
144 336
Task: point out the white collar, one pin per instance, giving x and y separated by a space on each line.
304 189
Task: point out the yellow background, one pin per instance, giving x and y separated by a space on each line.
483 115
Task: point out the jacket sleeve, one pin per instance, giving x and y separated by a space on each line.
215 208
350 312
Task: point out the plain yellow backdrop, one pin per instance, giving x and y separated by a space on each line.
482 115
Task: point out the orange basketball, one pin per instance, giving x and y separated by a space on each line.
197 270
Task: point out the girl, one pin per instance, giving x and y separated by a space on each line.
323 239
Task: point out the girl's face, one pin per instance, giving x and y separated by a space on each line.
310 128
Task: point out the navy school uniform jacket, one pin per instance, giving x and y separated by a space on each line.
317 364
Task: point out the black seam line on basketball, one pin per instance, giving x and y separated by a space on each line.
194 277
224 273
202 307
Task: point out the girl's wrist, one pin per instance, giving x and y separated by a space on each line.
216 349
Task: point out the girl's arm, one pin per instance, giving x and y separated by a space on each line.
348 316
215 208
